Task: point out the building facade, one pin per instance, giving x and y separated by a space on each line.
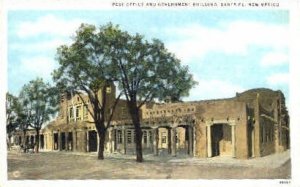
254 123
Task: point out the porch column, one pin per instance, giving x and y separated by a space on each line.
66 141
233 140
190 140
59 142
74 136
40 140
87 140
148 138
124 133
173 141
155 141
34 138
45 141
208 134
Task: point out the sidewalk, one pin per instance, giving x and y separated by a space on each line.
271 161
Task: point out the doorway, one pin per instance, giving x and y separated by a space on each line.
92 141
221 140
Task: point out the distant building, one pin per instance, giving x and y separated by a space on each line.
254 123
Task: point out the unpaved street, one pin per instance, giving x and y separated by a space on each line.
68 165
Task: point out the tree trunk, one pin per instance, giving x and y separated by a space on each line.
139 148
101 135
37 141
134 111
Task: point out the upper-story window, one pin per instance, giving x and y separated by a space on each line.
85 112
78 116
71 114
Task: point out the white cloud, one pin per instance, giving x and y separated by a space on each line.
274 59
48 24
39 66
39 46
278 79
213 89
233 38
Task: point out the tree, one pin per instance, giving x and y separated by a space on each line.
145 71
16 117
84 68
39 102
11 104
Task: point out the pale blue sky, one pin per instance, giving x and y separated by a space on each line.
228 51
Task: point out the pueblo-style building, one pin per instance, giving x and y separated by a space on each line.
254 123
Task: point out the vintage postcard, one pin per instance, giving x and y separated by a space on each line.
144 93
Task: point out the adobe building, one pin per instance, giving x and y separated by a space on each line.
254 123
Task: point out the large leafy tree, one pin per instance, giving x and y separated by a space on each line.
11 104
39 102
146 70
85 68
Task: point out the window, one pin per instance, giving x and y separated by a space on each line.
145 136
120 140
129 139
163 137
78 116
71 114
